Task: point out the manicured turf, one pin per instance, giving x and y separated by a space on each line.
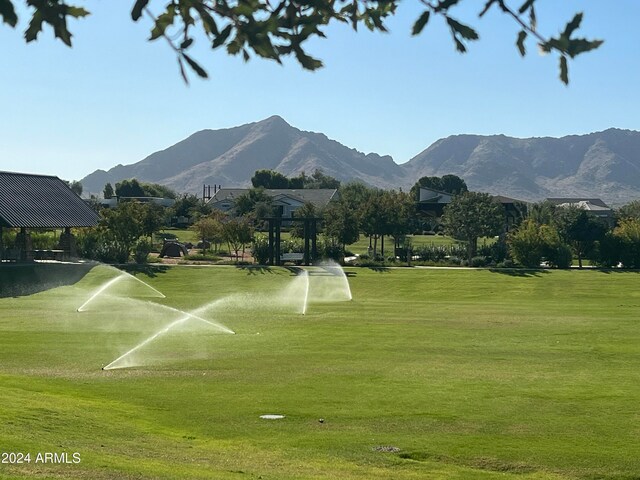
468 374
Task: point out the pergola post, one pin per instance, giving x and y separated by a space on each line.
23 241
278 222
314 238
307 232
67 243
271 262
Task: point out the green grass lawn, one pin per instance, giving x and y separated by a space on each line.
361 246
462 374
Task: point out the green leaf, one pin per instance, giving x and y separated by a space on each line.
136 11
222 37
487 6
183 73
533 22
186 43
305 60
465 31
194 65
526 6
162 23
459 45
573 25
208 23
60 31
520 42
8 13
35 27
564 70
421 22
581 45
234 46
77 12
445 5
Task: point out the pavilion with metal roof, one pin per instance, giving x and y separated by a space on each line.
30 201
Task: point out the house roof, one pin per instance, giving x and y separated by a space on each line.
430 195
41 201
594 202
503 199
319 197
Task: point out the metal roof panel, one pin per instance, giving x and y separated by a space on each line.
41 201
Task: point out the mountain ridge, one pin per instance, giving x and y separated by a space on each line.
602 164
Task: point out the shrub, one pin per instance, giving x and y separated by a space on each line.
526 244
202 257
260 249
87 241
478 261
334 252
142 250
43 240
561 256
506 263
454 261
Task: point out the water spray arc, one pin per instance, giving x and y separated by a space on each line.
113 365
306 292
327 284
159 293
111 282
195 317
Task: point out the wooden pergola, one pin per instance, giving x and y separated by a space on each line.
310 238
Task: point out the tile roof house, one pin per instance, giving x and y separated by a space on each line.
432 202
289 200
593 205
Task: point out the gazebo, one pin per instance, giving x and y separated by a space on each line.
40 202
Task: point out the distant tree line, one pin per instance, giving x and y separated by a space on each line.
541 233
134 188
275 180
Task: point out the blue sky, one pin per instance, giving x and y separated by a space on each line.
116 98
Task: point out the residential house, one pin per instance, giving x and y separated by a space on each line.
287 201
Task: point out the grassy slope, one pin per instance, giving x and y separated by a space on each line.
472 374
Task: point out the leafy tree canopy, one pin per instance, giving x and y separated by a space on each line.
472 215
108 191
275 180
74 185
580 229
274 30
134 188
630 210
269 179
317 180
189 205
447 183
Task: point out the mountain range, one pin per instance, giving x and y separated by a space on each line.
602 164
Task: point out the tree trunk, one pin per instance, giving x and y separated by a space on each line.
382 246
472 248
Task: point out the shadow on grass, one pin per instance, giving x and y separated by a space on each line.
294 270
379 269
17 280
255 269
519 272
618 270
146 269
